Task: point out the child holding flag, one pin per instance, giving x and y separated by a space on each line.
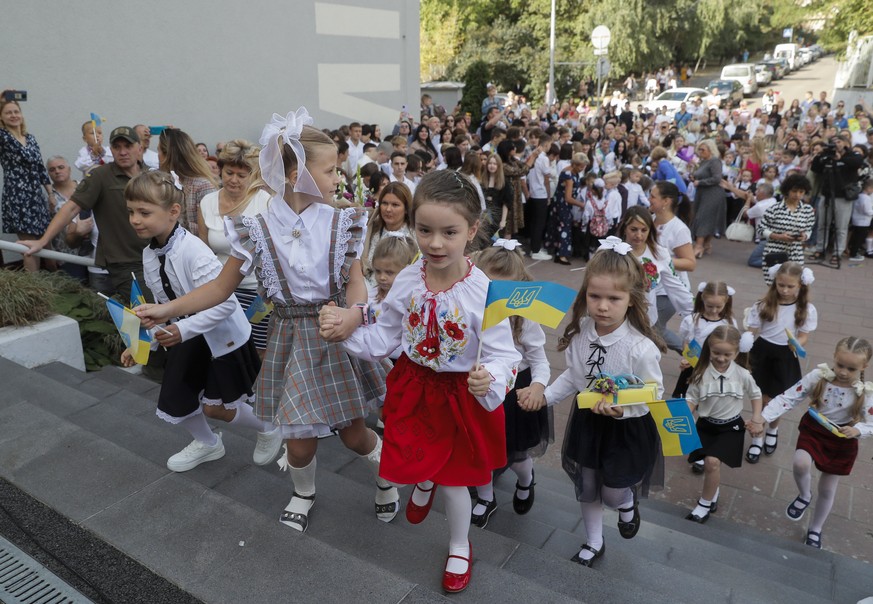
719 385
212 362
527 433
443 417
612 453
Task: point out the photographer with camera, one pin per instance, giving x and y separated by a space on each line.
837 166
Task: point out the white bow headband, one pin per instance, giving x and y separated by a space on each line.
176 182
615 244
860 387
806 276
731 291
507 244
286 130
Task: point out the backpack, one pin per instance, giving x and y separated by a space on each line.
598 226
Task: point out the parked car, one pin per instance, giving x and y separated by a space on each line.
744 73
763 74
673 98
728 90
774 68
806 56
781 66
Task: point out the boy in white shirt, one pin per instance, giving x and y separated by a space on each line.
862 215
93 153
538 182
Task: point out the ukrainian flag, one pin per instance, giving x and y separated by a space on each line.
675 426
135 337
96 120
136 295
258 309
540 301
691 352
798 350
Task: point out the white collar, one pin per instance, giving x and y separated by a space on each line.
728 374
288 218
610 338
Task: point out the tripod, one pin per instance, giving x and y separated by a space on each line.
828 212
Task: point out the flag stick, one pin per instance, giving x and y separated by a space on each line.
169 333
478 352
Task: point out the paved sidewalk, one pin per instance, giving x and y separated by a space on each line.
757 495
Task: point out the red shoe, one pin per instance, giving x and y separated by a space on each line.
454 582
416 513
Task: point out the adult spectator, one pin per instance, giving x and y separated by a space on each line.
787 224
393 216
515 172
119 250
177 153
398 170
539 185
837 167
427 108
149 157
203 150
356 147
26 210
63 187
421 141
93 153
241 194
710 203
490 100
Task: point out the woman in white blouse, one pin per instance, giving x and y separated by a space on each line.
242 194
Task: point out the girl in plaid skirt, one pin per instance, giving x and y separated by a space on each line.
840 412
304 253
444 421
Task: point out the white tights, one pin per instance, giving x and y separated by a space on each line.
458 510
592 515
827 489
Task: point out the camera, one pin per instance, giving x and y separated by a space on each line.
15 95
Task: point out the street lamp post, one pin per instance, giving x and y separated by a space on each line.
552 57
600 38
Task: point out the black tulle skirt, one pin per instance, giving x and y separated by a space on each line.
774 367
617 453
528 433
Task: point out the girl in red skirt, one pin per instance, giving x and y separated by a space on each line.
444 424
842 396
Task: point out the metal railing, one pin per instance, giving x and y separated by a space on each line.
47 254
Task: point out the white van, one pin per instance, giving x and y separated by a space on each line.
744 73
789 53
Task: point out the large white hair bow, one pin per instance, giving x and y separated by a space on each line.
865 388
806 275
507 244
615 244
286 130
827 374
731 291
747 340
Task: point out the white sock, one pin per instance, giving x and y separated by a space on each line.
715 497
198 428
699 462
421 495
702 507
304 484
758 440
386 493
524 471
592 518
485 492
245 416
869 242
770 439
458 510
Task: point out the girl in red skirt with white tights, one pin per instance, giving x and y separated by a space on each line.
842 396
444 423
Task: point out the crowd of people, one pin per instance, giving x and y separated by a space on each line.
376 255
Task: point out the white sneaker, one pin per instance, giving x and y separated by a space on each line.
541 255
195 454
269 444
856 258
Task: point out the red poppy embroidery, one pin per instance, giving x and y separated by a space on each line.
429 348
453 330
870 410
414 319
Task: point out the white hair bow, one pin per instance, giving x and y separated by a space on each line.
731 291
865 388
398 234
827 374
286 130
747 340
615 244
806 276
507 244
176 182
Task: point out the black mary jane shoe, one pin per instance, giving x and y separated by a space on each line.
481 520
813 539
701 519
770 449
628 530
753 455
523 506
597 554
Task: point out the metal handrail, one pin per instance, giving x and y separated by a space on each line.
48 254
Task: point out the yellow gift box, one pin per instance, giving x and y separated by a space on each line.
648 393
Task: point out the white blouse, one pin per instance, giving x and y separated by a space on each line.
721 395
662 275
836 403
774 331
302 244
532 348
698 328
672 234
623 351
214 221
441 330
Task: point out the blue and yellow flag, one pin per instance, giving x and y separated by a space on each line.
129 328
691 352
798 350
96 120
540 301
675 426
258 309
136 296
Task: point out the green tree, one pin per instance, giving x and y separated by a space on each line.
476 78
843 17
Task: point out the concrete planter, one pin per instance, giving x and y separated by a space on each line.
55 339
